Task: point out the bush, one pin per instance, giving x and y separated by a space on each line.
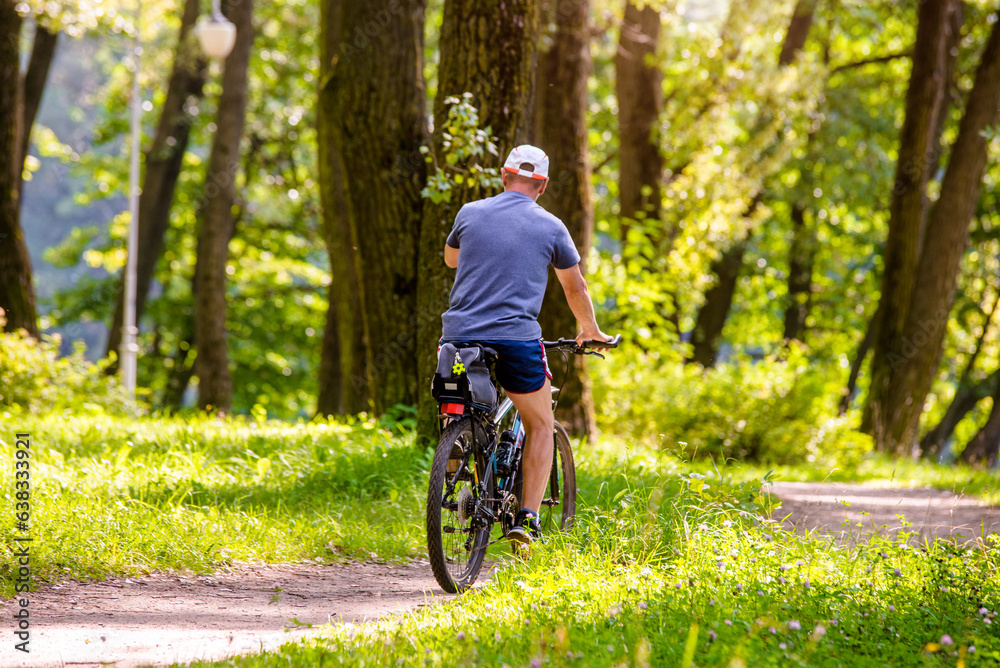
34 378
776 411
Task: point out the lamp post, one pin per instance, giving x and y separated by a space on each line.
217 36
216 33
129 348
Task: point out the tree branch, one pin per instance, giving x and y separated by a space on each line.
33 82
871 61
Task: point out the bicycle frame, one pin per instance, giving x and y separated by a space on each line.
501 412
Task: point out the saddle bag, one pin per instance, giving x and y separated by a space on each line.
463 376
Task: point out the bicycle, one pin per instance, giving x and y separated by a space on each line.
475 481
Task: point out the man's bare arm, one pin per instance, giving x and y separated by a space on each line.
578 297
450 256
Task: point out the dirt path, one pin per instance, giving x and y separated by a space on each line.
163 619
820 507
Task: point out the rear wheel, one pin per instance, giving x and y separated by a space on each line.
456 537
559 502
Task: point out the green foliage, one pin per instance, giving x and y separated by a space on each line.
278 278
732 119
774 410
821 133
842 177
464 148
35 378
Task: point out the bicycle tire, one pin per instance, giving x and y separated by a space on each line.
559 502
456 556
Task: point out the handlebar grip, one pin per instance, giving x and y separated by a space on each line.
613 343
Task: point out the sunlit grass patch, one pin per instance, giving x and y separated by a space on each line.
876 469
115 495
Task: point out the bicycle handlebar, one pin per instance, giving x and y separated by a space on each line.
570 345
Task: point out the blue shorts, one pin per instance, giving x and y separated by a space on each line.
522 366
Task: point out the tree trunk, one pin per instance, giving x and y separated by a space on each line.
707 334
342 356
215 385
859 359
800 261
43 49
343 382
17 294
332 397
897 398
638 86
163 167
967 395
561 130
374 122
802 250
907 211
487 49
952 92
798 31
985 444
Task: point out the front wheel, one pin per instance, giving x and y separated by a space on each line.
559 502
456 535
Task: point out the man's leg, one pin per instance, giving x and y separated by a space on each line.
536 413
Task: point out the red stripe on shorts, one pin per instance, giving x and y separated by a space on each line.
545 361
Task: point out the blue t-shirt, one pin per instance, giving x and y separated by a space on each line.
507 243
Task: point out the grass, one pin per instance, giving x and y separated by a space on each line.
120 496
666 568
875 469
669 562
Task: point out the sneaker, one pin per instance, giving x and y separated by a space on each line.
526 527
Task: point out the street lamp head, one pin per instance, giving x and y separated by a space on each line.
217 35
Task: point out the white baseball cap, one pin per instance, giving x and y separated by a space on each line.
525 156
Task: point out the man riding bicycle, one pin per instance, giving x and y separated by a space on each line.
502 247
